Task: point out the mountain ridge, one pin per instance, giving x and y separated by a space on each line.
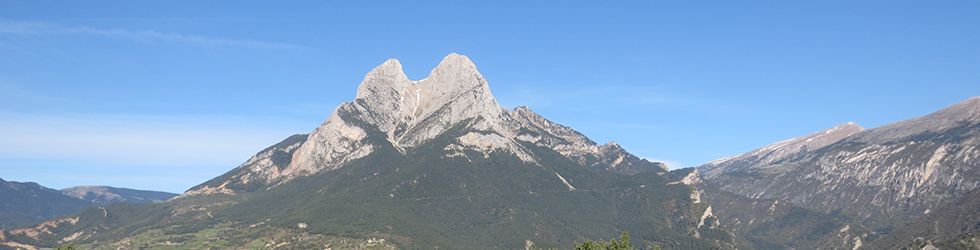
884 176
780 150
24 203
105 195
938 121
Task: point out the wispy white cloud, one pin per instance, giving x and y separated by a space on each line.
36 28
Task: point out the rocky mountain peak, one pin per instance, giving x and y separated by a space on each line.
833 134
387 91
387 78
410 113
392 100
532 119
611 146
455 80
456 66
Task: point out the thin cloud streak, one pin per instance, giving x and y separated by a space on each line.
37 28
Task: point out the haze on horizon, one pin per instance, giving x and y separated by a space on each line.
164 96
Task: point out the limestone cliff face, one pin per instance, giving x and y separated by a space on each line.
409 113
897 171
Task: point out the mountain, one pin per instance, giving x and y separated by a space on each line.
23 203
105 195
437 163
426 164
884 176
440 139
410 113
770 156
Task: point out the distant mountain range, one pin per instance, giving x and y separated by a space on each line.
105 195
882 177
23 203
438 164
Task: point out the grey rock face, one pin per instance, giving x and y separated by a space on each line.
897 171
409 113
262 169
577 146
772 223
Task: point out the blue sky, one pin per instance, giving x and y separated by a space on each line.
165 95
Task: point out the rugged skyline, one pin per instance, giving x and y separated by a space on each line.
122 94
911 182
438 162
425 164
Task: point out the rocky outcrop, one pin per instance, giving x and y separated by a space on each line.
894 172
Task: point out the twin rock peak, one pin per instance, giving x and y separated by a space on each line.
454 91
410 113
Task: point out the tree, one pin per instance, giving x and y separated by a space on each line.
613 244
70 246
622 244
